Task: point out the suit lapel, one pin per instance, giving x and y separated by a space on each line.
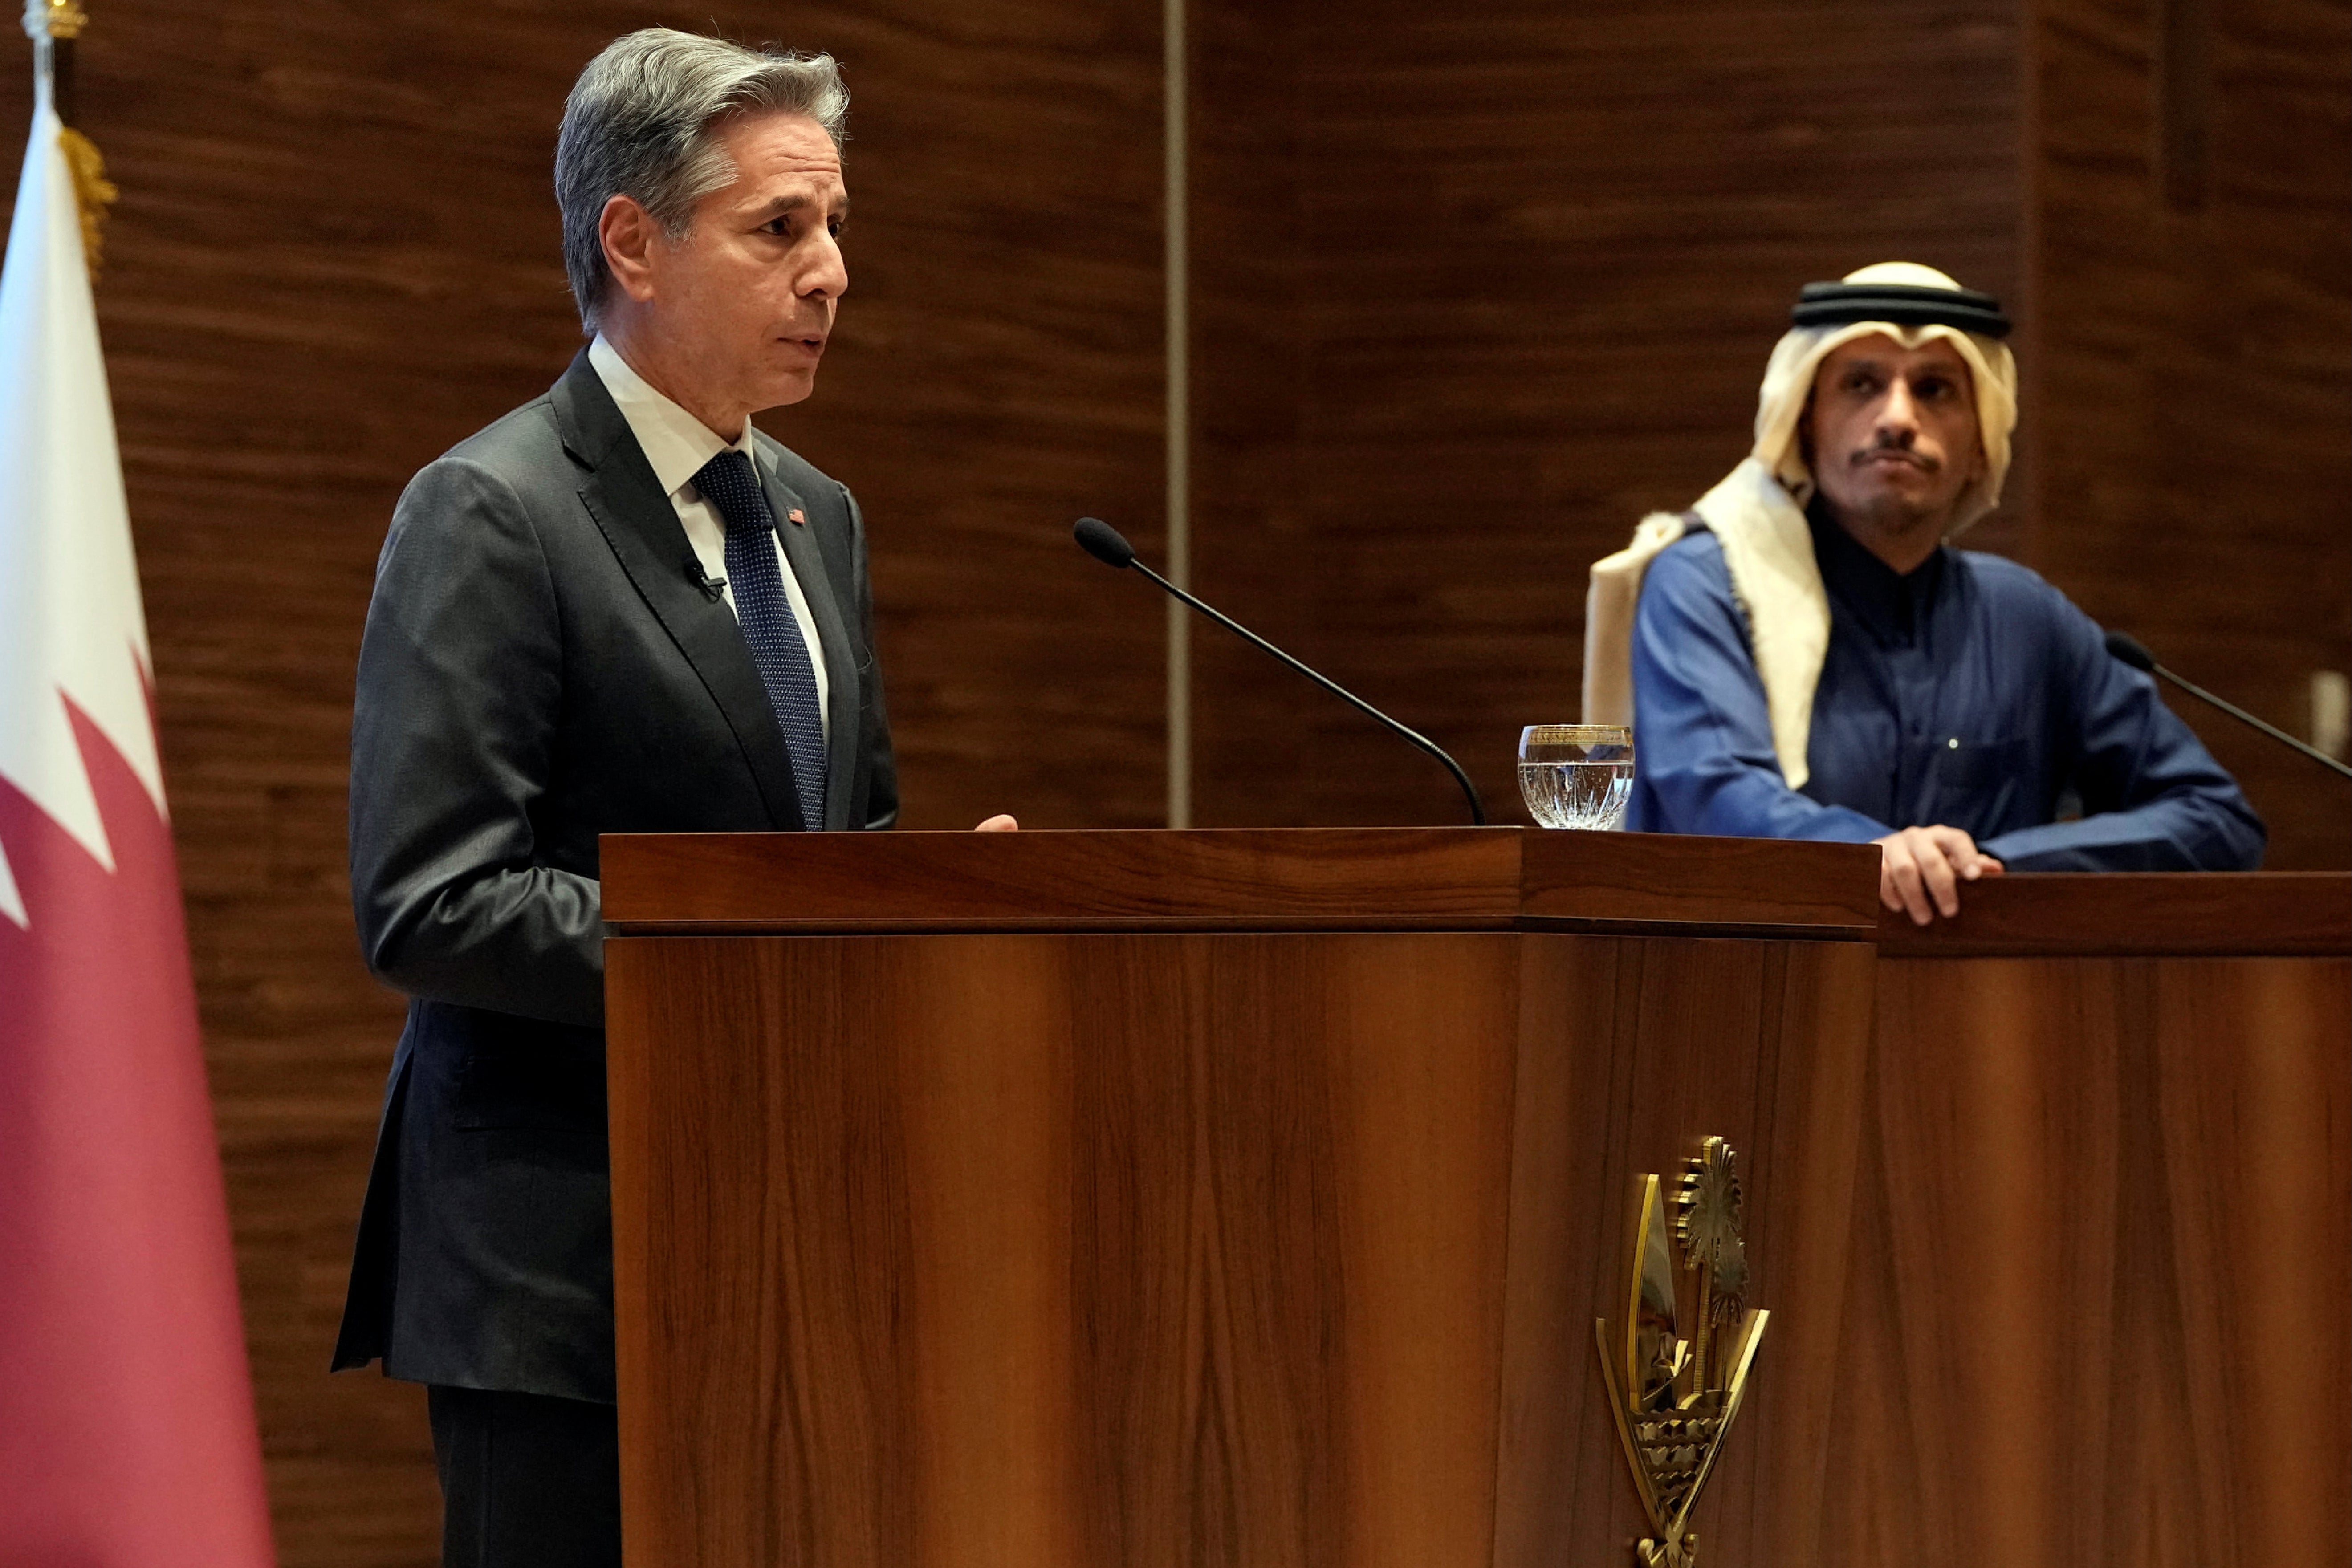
841 702
642 528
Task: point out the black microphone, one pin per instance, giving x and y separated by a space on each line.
2133 652
712 587
1103 542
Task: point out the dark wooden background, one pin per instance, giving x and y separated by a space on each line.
1478 289
335 256
1471 294
1533 260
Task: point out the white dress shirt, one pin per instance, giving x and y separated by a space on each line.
677 444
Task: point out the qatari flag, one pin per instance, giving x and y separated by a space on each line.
126 1411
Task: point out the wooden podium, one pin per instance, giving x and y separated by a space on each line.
2099 1306
1189 1197
1248 1198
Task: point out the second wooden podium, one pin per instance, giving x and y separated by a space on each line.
1224 1197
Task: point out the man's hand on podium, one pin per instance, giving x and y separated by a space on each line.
998 823
1923 869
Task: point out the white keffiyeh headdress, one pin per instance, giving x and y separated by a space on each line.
1758 512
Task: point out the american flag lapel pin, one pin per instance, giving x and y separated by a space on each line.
798 517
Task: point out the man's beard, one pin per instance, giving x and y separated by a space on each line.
1897 516
1889 511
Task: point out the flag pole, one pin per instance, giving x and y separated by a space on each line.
54 24
61 69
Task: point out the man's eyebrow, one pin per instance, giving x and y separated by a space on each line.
794 202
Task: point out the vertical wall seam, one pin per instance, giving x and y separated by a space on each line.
1175 202
2032 342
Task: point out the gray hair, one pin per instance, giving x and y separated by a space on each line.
642 120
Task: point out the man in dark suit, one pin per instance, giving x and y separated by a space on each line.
619 609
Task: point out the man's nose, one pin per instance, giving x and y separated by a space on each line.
1898 418
828 274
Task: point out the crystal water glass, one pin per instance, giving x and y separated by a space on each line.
1577 775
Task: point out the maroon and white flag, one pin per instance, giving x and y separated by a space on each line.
127 1435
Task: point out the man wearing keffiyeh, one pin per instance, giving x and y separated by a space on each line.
1803 654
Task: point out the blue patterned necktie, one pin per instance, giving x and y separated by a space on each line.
764 609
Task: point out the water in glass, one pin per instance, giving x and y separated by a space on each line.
1577 775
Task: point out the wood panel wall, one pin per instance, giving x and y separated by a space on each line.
1474 291
2193 204
1478 289
335 256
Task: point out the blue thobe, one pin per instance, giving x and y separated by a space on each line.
1968 693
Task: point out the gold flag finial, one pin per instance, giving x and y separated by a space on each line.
55 18
54 24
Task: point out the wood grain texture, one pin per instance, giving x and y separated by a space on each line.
335 256
1447 876
1629 1052
1248 1248
1067 1250
2195 378
1476 289
2094 1195
1237 1247
1657 879
1334 878
2191 913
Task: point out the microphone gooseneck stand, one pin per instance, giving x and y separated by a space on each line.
2130 649
1107 545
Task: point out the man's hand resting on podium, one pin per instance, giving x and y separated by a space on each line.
1923 869
998 824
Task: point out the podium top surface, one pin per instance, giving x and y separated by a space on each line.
1428 879
1256 879
2155 913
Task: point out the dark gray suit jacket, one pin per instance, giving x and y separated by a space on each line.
539 667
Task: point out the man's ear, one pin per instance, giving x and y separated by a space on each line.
629 234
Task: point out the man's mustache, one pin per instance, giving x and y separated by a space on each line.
1918 459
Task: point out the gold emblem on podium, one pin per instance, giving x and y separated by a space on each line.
1674 1395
